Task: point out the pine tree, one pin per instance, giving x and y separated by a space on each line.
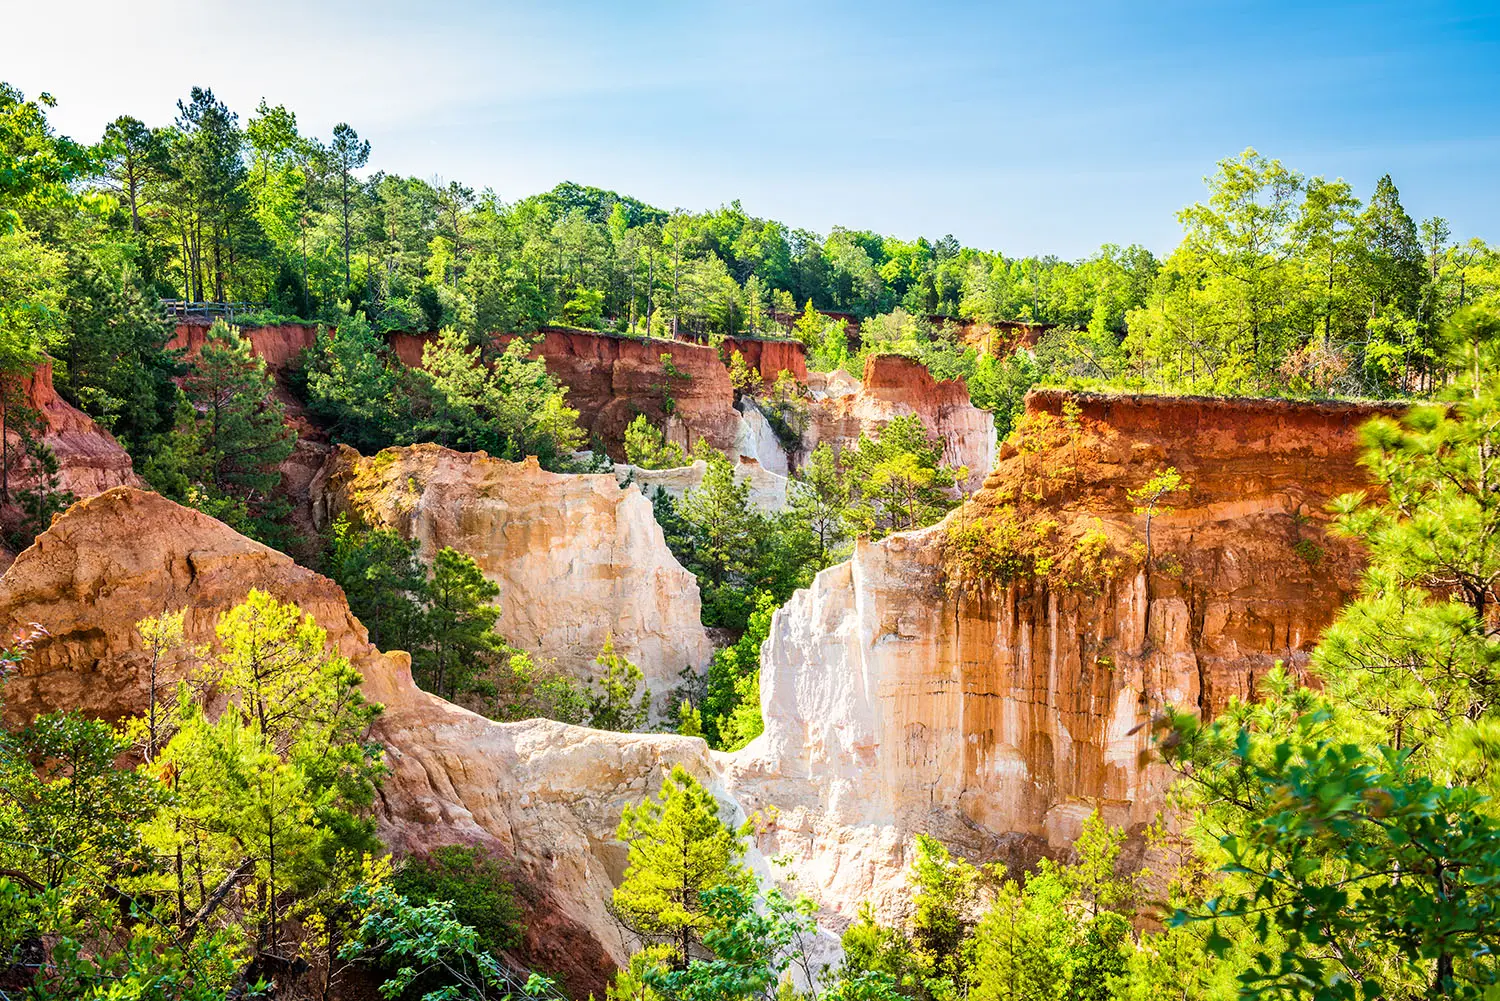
349 384
1415 655
230 435
70 814
724 540
461 642
689 720
384 581
509 406
1394 260
111 357
613 700
678 849
819 499
646 446
810 326
944 901
1019 943
278 787
901 480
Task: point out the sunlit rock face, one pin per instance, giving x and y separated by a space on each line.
896 702
757 442
278 345
577 557
843 408
611 378
768 358
768 491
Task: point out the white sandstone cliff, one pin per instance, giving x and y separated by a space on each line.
577 558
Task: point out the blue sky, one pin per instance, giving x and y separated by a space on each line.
1045 127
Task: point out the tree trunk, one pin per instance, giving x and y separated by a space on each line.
345 193
135 217
4 443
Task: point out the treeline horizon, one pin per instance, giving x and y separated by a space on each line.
1283 284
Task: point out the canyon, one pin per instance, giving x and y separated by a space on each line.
896 698
89 459
892 386
684 387
544 794
898 695
899 700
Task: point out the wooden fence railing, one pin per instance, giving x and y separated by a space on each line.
210 310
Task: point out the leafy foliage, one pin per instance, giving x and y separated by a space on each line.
475 883
647 446
229 437
680 852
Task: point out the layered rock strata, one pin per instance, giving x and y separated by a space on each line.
768 357
278 345
611 378
577 558
898 697
757 442
768 491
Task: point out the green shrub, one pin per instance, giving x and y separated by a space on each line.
475 882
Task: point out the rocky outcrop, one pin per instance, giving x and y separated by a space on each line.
822 385
894 386
767 489
899 698
768 357
576 557
757 442
408 348
90 461
1001 338
611 378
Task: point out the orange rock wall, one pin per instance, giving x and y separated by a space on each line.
894 702
1010 710
546 794
769 358
578 559
611 379
90 459
894 385
278 345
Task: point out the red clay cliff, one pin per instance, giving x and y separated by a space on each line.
90 460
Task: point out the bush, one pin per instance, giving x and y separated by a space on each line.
1001 546
646 446
477 884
